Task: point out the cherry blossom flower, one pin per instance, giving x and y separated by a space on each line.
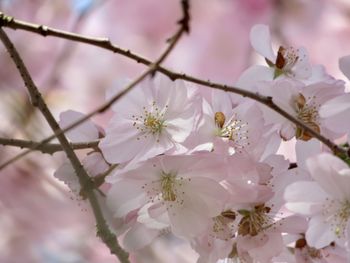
325 200
226 128
155 117
218 241
264 220
184 191
302 102
330 254
288 61
246 182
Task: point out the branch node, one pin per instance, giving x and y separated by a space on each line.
268 99
348 152
5 20
43 30
107 41
185 20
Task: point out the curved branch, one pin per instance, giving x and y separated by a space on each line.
150 71
85 181
106 44
87 185
46 148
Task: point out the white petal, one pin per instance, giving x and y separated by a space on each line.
260 39
187 223
325 168
305 150
66 174
123 143
119 149
95 164
302 68
138 237
293 225
157 212
221 102
319 234
85 132
125 196
180 128
131 104
206 196
115 89
336 106
147 220
287 131
304 197
251 77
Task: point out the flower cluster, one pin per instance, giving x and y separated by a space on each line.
207 168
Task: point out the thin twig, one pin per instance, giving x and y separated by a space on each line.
105 43
86 183
100 178
107 105
84 179
49 148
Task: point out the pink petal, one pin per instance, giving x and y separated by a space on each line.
344 65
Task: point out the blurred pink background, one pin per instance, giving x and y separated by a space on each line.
39 221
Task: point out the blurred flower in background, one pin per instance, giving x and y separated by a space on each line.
39 221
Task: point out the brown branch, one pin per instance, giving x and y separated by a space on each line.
100 178
85 181
173 40
46 148
106 44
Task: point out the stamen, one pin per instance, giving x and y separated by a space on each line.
342 217
308 114
286 58
168 190
151 121
338 214
168 187
255 221
234 130
223 227
219 119
308 251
